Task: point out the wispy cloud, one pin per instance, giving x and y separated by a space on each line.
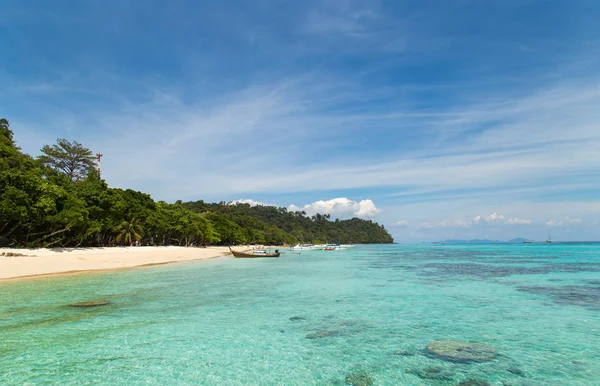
295 147
287 124
567 221
352 19
493 219
341 98
518 221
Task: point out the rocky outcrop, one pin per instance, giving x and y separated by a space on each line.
358 379
460 352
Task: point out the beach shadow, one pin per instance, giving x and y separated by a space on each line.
63 249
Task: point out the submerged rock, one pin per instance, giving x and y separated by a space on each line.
574 295
516 371
405 353
461 352
485 271
433 372
92 303
358 379
474 382
322 334
297 318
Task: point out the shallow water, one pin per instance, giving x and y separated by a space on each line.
314 318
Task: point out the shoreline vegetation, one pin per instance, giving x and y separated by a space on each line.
17 264
59 200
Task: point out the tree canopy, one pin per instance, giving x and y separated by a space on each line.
40 206
242 223
71 158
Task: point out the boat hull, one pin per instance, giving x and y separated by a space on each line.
306 247
245 255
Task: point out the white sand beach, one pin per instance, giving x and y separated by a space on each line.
35 262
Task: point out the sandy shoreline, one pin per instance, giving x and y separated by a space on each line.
44 262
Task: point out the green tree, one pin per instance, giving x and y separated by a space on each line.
129 231
71 158
6 134
21 190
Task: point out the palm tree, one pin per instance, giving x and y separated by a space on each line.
129 231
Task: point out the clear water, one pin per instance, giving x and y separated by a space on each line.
227 321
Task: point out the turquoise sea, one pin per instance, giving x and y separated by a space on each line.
360 316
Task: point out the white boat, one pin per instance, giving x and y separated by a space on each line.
335 247
305 247
320 247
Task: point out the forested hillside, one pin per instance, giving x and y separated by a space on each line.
59 200
242 223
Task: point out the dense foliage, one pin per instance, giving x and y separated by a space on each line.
59 200
242 223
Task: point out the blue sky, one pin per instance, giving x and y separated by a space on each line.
462 119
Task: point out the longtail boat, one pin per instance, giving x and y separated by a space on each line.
253 255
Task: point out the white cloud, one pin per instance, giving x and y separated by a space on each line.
564 222
286 116
426 225
492 158
518 221
499 150
338 207
366 209
341 207
494 217
400 224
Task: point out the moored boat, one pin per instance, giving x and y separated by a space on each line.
254 254
334 247
306 247
301 247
